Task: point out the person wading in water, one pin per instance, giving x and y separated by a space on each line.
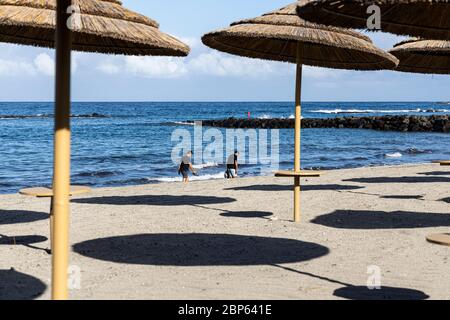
186 166
232 166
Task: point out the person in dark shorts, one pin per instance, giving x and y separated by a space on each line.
232 166
186 166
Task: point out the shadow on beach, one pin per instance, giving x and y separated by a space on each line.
352 292
199 250
21 240
427 179
239 214
26 241
351 219
246 214
385 293
436 173
19 286
447 200
21 216
403 197
156 200
277 187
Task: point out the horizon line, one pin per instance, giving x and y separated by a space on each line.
229 101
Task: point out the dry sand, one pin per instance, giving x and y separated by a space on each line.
234 239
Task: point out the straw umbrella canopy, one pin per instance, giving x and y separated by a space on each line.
283 36
103 26
418 18
429 57
423 56
85 25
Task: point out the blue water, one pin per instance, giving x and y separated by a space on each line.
132 143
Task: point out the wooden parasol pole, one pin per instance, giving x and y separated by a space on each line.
298 115
61 184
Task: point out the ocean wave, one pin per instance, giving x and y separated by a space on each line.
183 123
132 181
206 165
344 111
360 158
43 115
268 117
215 176
98 174
393 155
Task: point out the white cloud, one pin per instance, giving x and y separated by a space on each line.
322 73
155 67
211 63
45 64
192 42
14 68
108 67
219 64
42 64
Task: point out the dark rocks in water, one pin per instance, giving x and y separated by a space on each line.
437 123
91 115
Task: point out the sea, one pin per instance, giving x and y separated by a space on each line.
130 143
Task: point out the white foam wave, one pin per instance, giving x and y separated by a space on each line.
206 165
267 117
393 155
192 178
184 123
341 111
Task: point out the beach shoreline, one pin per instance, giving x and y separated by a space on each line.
220 176
235 239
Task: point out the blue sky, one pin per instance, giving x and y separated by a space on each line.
26 73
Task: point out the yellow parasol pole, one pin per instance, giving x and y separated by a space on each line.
61 184
298 117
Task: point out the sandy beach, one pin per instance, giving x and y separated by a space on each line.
235 240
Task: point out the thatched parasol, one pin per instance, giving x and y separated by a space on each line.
103 26
87 25
418 18
283 36
423 56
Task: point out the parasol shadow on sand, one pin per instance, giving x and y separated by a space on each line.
407 179
436 173
156 200
370 220
352 292
384 293
278 187
26 241
21 216
191 250
19 286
